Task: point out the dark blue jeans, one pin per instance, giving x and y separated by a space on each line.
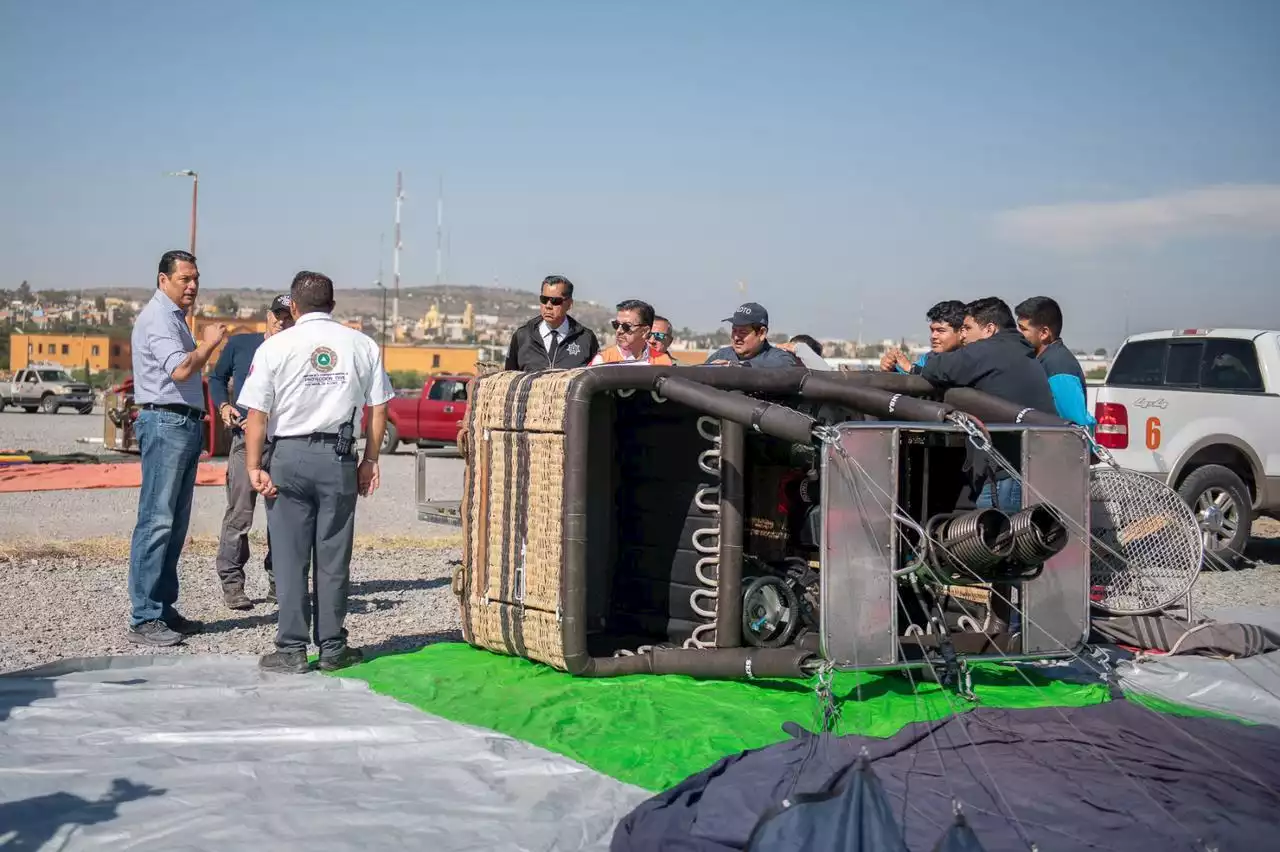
171 445
1005 495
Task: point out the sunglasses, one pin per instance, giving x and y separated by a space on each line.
625 327
552 300
658 335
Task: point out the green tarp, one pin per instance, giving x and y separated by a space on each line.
656 731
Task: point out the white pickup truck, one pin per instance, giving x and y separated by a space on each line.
48 388
1200 408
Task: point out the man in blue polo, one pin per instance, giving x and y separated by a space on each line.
749 341
233 544
169 391
1040 321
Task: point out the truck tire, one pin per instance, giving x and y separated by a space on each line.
1221 502
390 440
88 409
49 404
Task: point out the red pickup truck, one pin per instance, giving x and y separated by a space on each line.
429 418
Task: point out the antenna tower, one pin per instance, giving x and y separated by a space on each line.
439 232
395 261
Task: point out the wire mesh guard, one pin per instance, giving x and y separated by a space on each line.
1146 548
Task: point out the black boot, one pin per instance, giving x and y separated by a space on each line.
285 662
235 598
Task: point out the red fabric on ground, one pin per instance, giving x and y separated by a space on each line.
68 477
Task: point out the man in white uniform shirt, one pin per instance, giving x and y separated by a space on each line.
309 383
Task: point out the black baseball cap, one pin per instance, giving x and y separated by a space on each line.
281 303
750 313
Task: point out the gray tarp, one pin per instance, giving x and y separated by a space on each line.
208 753
1247 688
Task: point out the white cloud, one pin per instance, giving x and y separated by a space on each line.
1245 208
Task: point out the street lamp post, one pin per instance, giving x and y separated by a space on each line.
195 196
382 325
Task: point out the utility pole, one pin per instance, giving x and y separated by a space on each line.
395 262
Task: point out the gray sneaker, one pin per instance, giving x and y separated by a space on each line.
156 633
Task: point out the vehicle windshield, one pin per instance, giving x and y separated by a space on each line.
55 376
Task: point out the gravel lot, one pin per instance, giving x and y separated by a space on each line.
75 515
59 607
68 600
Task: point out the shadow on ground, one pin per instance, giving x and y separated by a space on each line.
30 824
408 643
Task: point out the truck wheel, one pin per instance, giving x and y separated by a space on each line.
390 440
49 404
1221 503
88 409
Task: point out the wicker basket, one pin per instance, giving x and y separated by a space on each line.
513 514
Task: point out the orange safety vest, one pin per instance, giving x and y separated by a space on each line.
613 355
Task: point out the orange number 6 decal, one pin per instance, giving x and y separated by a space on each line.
1153 433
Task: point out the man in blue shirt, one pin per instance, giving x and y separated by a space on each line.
169 391
233 544
1040 321
749 338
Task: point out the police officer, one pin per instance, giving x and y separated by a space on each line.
310 382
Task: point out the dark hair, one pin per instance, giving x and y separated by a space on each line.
990 311
559 280
808 341
170 260
1042 312
312 292
643 308
950 312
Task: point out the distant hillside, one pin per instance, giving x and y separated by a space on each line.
508 305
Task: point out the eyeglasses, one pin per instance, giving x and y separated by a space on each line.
658 335
625 327
552 300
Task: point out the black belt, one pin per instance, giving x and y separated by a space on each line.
184 410
314 436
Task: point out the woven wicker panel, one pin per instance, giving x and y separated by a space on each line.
530 402
517 631
523 527
544 520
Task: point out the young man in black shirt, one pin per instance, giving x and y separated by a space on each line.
998 360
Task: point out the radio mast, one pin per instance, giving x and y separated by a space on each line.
439 232
395 262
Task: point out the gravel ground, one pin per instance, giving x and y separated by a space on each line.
1257 584
75 515
58 607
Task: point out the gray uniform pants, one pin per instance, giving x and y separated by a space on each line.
311 520
233 543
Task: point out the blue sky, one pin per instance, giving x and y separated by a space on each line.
844 159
